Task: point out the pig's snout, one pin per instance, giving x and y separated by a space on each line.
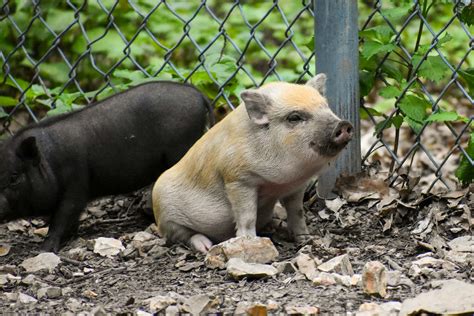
342 133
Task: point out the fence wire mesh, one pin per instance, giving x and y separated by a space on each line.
58 56
422 108
79 51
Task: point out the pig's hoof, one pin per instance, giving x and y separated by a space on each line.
50 245
200 243
303 238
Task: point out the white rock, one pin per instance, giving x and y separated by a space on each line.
285 267
374 309
454 297
324 278
49 292
462 244
107 247
342 279
159 303
43 261
238 269
3 279
172 310
393 278
335 205
29 279
301 310
11 297
42 232
143 236
306 265
428 262
73 304
249 249
13 278
198 304
339 264
460 257
18 225
26 299
356 280
139 312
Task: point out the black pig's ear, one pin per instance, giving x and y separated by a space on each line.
257 105
28 150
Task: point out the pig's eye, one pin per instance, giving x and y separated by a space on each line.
294 118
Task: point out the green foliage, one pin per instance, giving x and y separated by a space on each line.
109 43
467 15
465 171
384 54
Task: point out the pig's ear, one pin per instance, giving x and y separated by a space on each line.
28 150
319 83
257 105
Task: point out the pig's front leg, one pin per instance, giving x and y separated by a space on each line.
295 216
65 221
243 201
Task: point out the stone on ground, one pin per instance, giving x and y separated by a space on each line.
44 261
374 278
249 249
339 264
238 269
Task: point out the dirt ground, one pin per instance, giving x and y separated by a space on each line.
364 229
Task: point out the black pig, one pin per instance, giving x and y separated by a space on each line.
115 146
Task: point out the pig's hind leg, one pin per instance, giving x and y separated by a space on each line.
175 233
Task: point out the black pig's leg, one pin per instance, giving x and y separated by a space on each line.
65 221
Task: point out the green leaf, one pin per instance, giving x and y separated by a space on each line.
57 72
58 20
392 70
366 82
390 92
467 15
465 171
416 126
365 111
433 68
397 12
129 74
310 43
397 120
7 101
382 125
468 76
371 48
443 117
60 108
446 38
414 107
382 33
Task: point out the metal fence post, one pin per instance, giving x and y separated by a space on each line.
337 55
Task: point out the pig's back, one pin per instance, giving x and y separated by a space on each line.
125 141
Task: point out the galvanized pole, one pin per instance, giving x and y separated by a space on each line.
337 55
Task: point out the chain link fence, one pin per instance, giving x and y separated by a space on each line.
57 56
417 56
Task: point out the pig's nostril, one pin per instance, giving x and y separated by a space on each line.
349 130
338 133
